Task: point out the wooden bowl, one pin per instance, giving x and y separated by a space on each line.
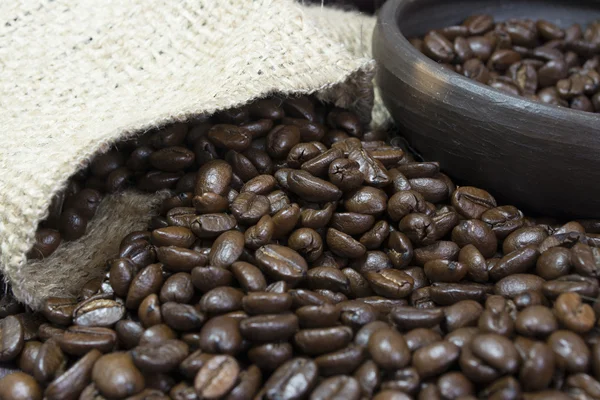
541 158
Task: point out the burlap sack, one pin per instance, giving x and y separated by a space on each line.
78 75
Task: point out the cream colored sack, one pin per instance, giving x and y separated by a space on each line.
75 76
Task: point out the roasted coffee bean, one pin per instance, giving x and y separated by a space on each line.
229 137
285 220
518 261
407 318
182 317
226 249
571 352
147 281
536 321
340 362
221 300
212 225
156 180
292 380
281 262
516 284
573 314
115 375
46 242
221 335
461 314
11 338
269 327
266 303
208 278
435 358
59 310
71 383
18 385
322 340
450 293
318 316
248 276
523 237
98 311
50 361
585 286
128 333
271 355
72 224
149 311
388 349
160 357
78 340
307 242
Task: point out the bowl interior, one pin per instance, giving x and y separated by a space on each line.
419 16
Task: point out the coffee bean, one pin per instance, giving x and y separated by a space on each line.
572 313
516 284
160 357
269 327
79 340
178 288
221 300
18 385
518 261
147 281
388 349
208 278
226 249
72 382
50 361
11 338
436 358
248 207
570 351
221 335
98 312
419 228
266 303
462 314
317 218
248 276
293 380
407 318
271 355
59 310
536 320
523 237
281 262
115 375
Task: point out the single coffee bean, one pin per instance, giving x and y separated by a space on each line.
292 380
516 284
437 47
208 278
573 314
461 314
71 383
11 338
147 281
257 303
50 361
46 242
388 349
221 300
570 351
281 262
407 318
18 385
554 263
160 357
270 356
536 321
269 327
226 249
250 278
221 335
79 340
98 312
341 362
435 359
523 237
59 310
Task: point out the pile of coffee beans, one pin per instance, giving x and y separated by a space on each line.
535 59
302 256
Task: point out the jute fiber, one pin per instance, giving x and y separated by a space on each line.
76 76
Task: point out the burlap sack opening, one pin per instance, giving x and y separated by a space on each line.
84 75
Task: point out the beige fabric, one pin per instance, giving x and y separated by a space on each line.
76 76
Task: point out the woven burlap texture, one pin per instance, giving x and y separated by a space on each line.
78 75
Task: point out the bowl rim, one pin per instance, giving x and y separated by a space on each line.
387 22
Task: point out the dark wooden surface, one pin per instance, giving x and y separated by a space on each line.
541 158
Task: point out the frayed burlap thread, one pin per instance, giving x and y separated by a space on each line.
79 75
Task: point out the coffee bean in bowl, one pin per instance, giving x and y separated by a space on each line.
515 61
